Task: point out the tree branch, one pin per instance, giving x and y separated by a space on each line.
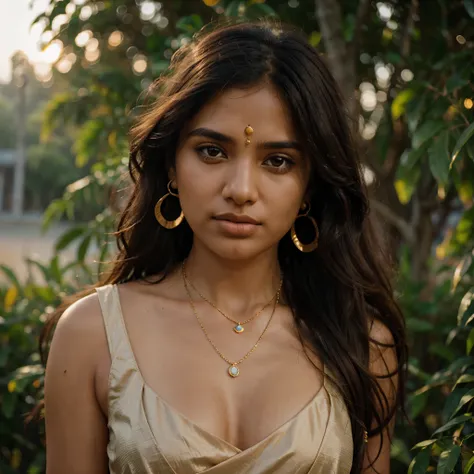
405 229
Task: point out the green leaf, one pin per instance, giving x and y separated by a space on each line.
399 451
466 398
420 462
452 401
417 404
448 459
315 38
197 21
400 102
53 212
55 270
59 9
463 313
190 24
469 6
405 189
470 463
414 112
470 150
439 158
46 294
10 274
470 342
394 57
427 131
232 9
408 174
462 140
410 158
68 237
424 444
454 422
462 268
82 250
461 364
466 378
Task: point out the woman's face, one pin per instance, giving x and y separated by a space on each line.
241 198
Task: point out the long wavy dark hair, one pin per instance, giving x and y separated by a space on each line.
335 292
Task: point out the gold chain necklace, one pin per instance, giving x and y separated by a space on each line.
233 369
239 325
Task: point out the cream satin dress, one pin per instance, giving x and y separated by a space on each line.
147 435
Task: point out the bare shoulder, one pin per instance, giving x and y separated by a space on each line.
76 429
82 318
80 330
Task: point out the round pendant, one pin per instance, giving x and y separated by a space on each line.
238 329
233 371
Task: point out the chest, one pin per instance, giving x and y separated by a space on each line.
180 366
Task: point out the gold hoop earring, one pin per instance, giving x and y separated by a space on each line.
298 244
159 216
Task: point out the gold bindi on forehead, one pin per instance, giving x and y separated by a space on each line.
248 132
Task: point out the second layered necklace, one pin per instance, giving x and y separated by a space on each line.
233 369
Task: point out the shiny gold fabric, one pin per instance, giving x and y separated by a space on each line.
147 435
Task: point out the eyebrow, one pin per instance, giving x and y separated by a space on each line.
207 132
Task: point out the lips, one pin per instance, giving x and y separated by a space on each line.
236 225
236 218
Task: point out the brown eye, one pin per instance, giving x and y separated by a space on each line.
210 152
279 163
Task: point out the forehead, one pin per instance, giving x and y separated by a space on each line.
260 106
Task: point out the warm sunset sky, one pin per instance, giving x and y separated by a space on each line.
15 20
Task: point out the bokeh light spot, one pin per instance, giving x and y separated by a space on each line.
83 37
115 39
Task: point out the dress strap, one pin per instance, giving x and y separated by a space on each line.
117 335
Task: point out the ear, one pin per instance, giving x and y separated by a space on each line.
306 198
172 177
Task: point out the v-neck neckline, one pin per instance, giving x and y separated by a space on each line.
187 420
191 423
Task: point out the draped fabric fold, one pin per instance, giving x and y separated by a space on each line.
147 435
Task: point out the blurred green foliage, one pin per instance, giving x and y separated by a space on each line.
411 66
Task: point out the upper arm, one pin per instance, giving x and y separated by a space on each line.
76 429
384 366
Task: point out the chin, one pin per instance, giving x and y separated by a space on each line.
237 249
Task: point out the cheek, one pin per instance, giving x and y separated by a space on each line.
193 187
285 199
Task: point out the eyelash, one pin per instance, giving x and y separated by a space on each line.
289 163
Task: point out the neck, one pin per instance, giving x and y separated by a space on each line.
234 285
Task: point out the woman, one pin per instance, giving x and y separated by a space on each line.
248 324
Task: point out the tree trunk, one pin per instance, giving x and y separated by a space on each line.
341 65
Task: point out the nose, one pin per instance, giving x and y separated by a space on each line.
241 182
